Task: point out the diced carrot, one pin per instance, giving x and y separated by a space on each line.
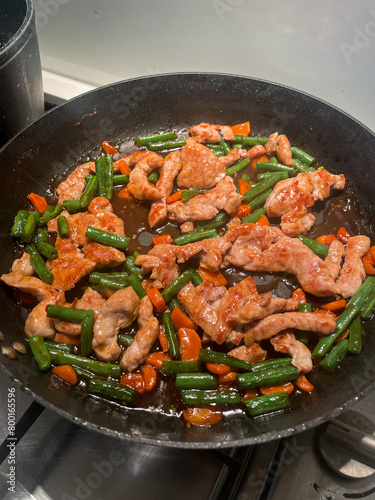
263 221
181 320
147 284
369 268
244 186
370 256
135 381
122 166
325 311
66 373
149 376
242 211
202 416
335 305
64 338
190 344
343 235
288 387
162 239
124 194
38 202
342 336
241 128
218 368
175 196
303 384
250 394
110 150
228 378
300 295
326 239
261 158
216 276
157 300
163 341
156 359
372 252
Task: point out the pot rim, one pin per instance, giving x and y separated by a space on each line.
19 39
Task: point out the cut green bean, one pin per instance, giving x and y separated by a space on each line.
107 238
87 327
125 340
19 223
173 345
50 214
184 239
355 336
30 227
267 403
265 175
47 250
301 155
72 206
197 397
131 267
208 356
135 282
41 235
266 166
59 345
250 140
334 358
181 367
271 364
62 226
189 194
153 177
303 335
82 373
164 145
90 191
96 277
172 290
263 186
275 376
196 381
196 278
368 306
120 179
112 283
273 159
254 217
39 265
318 248
111 390
59 357
144 140
302 167
260 200
67 313
216 148
100 169
40 352
225 145
108 176
173 303
220 219
246 177
237 167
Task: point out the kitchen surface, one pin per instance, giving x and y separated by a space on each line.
324 49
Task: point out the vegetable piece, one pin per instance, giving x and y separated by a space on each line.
184 239
288 388
144 140
157 359
188 194
326 239
317 248
300 295
263 158
173 345
90 191
190 344
59 345
108 148
241 128
135 381
72 206
67 313
40 352
263 221
164 145
250 394
157 300
335 305
368 306
195 381
132 268
250 141
107 238
242 211
303 384
270 364
162 239
111 390
225 145
343 235
50 214
125 340
149 377
220 219
47 250
243 186
274 376
39 265
263 186
181 366
119 180
201 416
301 155
87 327
334 358
41 235
267 166
303 335
227 378
123 167
196 279
82 373
100 169
198 397
260 200
237 167
59 357
175 196
302 167
108 176
64 338
217 277
172 289
218 368
153 177
66 373
125 195
254 217
369 268
267 404
19 223
181 320
62 226
355 336
39 202
208 355
30 227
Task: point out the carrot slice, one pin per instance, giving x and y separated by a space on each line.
162 239
181 320
342 336
300 295
149 376
156 359
202 416
64 338
241 128
263 221
335 305
175 196
244 186
66 373
228 378
124 194
303 384
343 235
147 283
288 387
157 300
261 158
135 381
110 150
372 253
218 368
190 344
38 202
369 268
163 341
217 276
326 239
250 394
242 211
122 166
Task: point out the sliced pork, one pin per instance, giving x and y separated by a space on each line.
139 186
204 132
353 273
287 343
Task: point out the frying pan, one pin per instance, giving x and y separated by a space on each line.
47 149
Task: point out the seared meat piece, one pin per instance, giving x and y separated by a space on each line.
23 265
280 145
187 227
37 322
168 172
333 260
263 306
103 255
144 339
271 325
74 185
207 206
119 311
162 261
138 185
286 343
290 199
204 132
352 273
252 354
29 284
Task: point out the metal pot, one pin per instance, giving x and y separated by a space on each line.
47 149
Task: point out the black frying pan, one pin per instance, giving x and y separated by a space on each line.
48 148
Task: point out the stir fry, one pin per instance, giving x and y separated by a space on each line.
188 312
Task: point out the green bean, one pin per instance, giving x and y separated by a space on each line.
266 166
301 155
124 339
30 227
59 357
195 381
62 226
47 216
19 223
237 167
225 145
131 267
184 239
265 175
302 167
90 191
303 335
107 238
238 145
67 313
206 355
334 358
189 194
368 306
144 140
108 176
246 177
120 179
196 278
197 397
250 141
87 327
40 352
100 169
220 219
263 186
112 283
39 265
216 148
41 235
135 282
271 364
276 376
355 336
172 289
273 159
153 177
254 217
173 303
47 250
111 390
181 367
266 404
82 373
59 345
96 277
260 200
318 248
163 145
173 345
72 206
